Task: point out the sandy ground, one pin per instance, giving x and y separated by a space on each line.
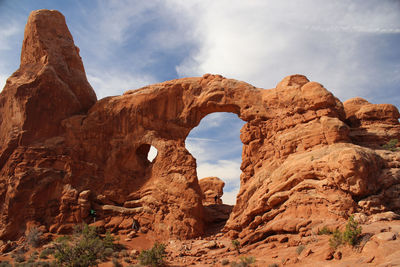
379 247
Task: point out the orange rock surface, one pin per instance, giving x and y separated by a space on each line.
307 161
212 188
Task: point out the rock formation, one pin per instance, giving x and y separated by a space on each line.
212 188
307 159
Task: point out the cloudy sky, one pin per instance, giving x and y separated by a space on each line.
351 47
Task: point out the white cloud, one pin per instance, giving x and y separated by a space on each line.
230 197
227 170
217 148
7 32
3 79
263 41
201 139
113 81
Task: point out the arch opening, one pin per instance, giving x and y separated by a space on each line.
216 145
153 152
147 153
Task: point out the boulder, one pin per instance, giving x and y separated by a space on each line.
212 188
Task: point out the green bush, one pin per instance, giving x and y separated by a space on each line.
19 257
154 256
336 240
299 249
352 232
349 236
5 264
63 238
45 253
391 145
124 253
108 252
84 249
244 262
33 256
225 262
324 231
236 245
33 237
109 240
116 263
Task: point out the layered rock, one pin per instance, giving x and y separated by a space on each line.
213 189
372 125
303 165
49 86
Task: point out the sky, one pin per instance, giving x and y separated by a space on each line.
349 46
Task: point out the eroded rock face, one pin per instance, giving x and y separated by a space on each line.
213 189
302 163
372 125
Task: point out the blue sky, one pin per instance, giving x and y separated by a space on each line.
351 47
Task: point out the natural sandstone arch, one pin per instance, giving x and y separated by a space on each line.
299 166
218 136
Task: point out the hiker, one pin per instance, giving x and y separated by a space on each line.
93 214
135 225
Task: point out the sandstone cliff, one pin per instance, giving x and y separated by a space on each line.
307 159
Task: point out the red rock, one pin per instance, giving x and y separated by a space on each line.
212 187
329 255
338 255
306 158
372 124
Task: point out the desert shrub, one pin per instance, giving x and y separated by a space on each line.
349 236
324 231
19 257
225 262
299 249
42 264
116 263
244 262
33 237
236 245
108 252
273 265
5 264
391 145
45 253
352 232
84 249
33 256
336 240
154 256
124 253
109 240
47 264
63 238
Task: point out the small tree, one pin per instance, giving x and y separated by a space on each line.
349 236
236 245
391 145
352 232
84 249
153 257
33 237
336 240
